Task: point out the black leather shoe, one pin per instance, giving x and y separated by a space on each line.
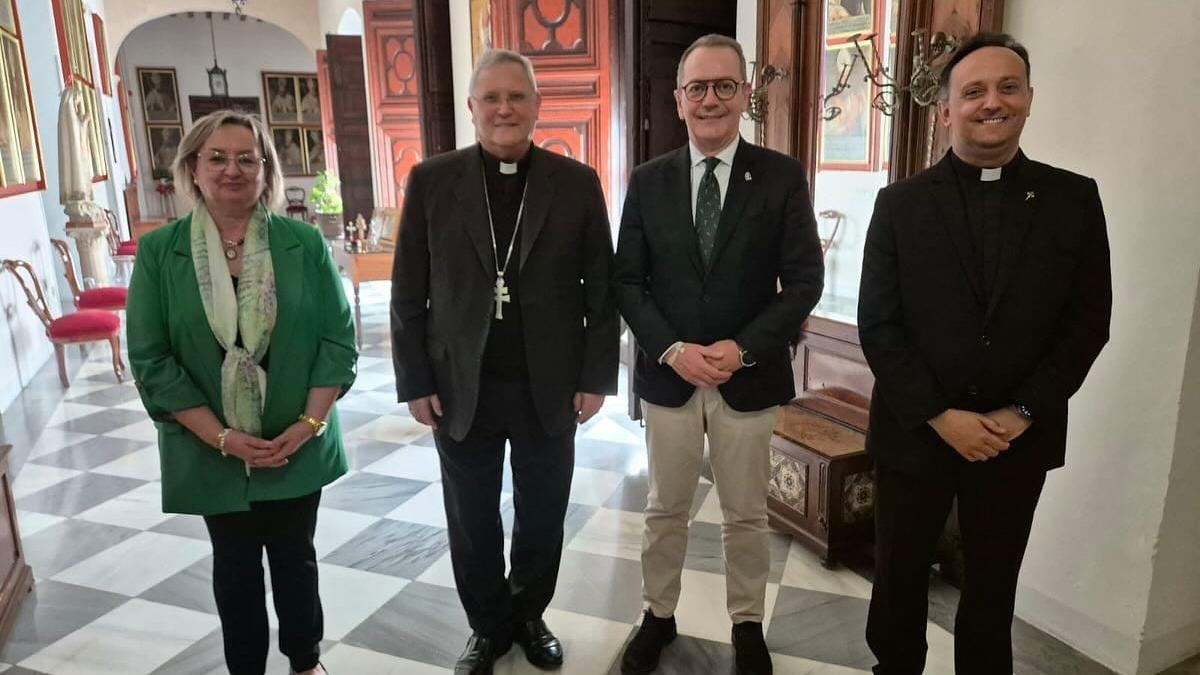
641 655
480 654
541 647
750 654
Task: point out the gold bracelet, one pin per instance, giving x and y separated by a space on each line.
318 426
221 440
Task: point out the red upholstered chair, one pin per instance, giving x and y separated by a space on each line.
296 207
88 325
111 298
121 250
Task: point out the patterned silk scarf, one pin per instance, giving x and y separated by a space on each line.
251 308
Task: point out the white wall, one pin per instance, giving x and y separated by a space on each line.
747 34
1125 114
30 220
244 49
340 17
461 64
299 17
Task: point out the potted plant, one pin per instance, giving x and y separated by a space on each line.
327 203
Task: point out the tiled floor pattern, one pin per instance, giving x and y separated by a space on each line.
123 588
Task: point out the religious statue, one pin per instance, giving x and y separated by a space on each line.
74 157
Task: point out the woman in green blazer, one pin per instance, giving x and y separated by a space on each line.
240 339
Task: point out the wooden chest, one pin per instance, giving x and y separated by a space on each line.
822 489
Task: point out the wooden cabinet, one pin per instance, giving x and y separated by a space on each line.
16 579
822 488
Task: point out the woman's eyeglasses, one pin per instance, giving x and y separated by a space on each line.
219 161
724 89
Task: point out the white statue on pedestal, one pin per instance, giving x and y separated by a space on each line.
74 158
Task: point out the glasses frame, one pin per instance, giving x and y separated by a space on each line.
260 163
711 84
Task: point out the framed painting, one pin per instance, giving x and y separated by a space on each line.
845 132
282 97
160 96
164 145
844 18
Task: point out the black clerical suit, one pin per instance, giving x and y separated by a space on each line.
975 295
504 379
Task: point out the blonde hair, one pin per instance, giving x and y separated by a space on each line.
189 150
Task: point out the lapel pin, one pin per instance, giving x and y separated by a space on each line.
747 175
1030 195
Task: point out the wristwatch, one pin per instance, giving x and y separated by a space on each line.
318 426
1024 411
745 359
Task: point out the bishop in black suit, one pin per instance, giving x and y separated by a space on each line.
985 299
503 330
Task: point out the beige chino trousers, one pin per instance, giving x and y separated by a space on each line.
738 446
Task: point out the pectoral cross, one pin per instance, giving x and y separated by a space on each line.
502 296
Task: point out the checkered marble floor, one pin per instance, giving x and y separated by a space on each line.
123 588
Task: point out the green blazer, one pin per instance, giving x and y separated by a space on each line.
176 364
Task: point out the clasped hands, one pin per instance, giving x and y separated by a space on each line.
979 437
703 366
260 453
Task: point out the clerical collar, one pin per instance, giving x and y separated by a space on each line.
495 165
986 174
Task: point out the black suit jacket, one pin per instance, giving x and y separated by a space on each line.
445 272
935 342
765 276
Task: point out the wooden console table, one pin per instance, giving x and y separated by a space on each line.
16 578
360 267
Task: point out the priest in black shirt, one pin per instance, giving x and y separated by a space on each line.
986 296
503 331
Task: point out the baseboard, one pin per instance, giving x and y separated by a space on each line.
1100 642
1163 651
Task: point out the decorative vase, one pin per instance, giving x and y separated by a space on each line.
331 224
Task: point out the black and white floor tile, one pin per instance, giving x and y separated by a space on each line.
123 588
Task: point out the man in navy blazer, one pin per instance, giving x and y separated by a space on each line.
718 265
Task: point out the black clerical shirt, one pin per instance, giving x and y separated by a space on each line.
504 354
983 206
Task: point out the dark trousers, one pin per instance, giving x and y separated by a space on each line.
994 514
285 528
472 475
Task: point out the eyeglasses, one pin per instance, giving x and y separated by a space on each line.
246 162
725 89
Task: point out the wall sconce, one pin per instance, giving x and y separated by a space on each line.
922 86
238 6
756 111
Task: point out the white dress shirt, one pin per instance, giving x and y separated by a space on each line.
721 172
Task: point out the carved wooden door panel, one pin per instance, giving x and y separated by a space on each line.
348 97
569 44
393 90
328 128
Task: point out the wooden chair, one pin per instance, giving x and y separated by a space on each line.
111 298
120 250
296 207
86 325
837 217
